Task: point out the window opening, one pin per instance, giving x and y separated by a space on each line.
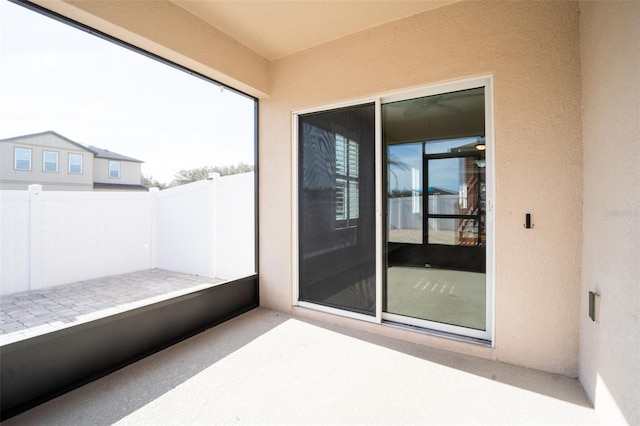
114 169
347 181
49 161
75 163
71 108
22 159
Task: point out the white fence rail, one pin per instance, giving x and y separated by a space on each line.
48 238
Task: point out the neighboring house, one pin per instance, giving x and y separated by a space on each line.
60 164
113 171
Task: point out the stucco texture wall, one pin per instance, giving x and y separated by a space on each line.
533 51
610 348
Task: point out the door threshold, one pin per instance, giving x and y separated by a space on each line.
437 333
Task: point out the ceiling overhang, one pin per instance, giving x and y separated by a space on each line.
233 41
274 29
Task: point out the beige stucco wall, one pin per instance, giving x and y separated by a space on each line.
532 50
610 348
167 30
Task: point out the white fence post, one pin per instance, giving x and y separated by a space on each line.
153 193
35 237
213 179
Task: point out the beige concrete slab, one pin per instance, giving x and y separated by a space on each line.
269 368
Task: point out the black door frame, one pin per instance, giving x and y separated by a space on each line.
466 258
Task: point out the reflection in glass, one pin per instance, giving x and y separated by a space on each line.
455 232
456 145
405 193
436 257
441 295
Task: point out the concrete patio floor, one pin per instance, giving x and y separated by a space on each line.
32 313
266 367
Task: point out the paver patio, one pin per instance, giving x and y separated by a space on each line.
36 312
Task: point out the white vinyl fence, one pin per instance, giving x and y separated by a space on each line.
48 238
406 212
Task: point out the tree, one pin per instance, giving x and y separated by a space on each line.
192 175
399 193
394 162
201 173
233 169
151 182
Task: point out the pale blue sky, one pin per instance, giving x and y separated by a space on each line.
56 77
443 174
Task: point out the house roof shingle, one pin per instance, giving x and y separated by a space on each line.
105 153
119 186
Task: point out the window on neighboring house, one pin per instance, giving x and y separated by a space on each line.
22 159
49 161
114 169
347 184
75 164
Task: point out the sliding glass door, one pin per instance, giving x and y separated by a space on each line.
420 258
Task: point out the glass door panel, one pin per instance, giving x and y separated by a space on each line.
438 277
